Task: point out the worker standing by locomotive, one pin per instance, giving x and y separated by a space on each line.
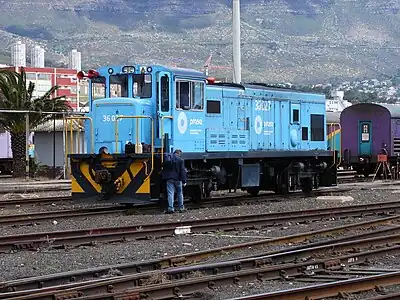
174 173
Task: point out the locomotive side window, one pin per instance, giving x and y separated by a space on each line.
317 128
198 95
118 86
142 85
304 133
98 88
189 95
296 116
213 107
164 93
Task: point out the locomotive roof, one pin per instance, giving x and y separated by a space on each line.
261 86
264 86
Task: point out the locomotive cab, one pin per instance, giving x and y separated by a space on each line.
128 128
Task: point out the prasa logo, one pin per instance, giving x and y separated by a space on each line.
110 118
196 122
262 105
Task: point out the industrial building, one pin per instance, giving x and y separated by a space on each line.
45 78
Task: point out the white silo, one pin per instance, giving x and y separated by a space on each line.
18 54
37 57
75 60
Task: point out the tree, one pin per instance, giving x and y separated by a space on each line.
17 94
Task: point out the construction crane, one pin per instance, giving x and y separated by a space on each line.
207 66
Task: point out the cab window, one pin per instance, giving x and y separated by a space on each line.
98 89
142 85
118 86
189 95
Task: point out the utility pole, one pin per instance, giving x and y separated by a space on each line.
237 64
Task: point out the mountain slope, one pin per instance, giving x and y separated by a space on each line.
282 40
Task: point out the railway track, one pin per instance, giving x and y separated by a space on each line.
142 208
282 264
144 231
331 289
191 258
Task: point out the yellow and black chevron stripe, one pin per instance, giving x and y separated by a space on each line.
130 175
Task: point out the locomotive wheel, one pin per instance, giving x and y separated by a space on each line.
253 191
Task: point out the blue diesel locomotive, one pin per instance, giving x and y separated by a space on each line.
250 137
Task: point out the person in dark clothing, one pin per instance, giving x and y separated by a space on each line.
174 173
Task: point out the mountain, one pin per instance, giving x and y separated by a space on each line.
299 41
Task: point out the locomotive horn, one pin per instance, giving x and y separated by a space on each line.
80 75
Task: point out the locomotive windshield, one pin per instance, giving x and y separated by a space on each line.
142 85
98 88
118 86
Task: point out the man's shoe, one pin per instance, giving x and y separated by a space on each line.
169 212
182 210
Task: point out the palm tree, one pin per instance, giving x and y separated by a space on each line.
17 94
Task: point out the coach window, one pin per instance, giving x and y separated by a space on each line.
118 86
189 95
317 128
142 85
98 88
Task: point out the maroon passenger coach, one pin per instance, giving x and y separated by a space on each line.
369 130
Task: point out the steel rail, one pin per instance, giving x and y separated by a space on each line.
216 200
40 216
24 201
391 296
87 236
182 282
281 256
331 289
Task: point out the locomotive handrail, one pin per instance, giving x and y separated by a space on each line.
137 135
162 136
78 136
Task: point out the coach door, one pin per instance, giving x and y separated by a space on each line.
164 126
364 137
294 130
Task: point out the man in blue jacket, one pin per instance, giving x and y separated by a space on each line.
174 173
